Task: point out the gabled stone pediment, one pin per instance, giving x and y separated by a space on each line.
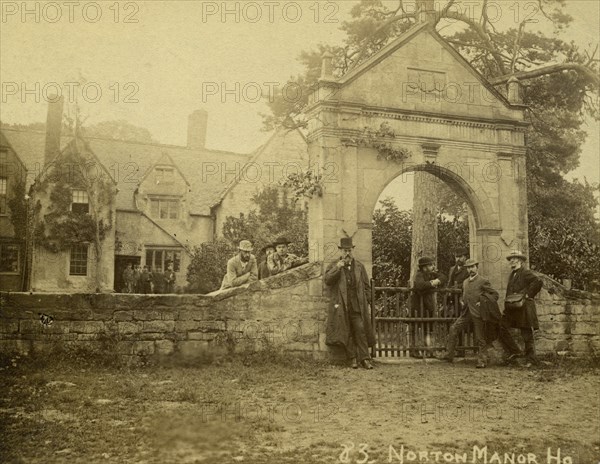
420 72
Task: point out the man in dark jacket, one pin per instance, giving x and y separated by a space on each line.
145 280
170 278
478 297
427 281
348 321
522 281
457 275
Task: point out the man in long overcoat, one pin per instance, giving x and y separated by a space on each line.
348 321
525 282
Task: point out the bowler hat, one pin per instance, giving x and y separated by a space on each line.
266 247
246 245
461 252
516 254
281 241
346 242
424 261
471 262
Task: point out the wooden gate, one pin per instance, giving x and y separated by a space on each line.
401 331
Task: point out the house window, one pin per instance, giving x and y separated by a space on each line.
3 184
78 259
9 258
164 175
80 204
164 209
160 259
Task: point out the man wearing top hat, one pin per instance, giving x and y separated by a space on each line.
525 282
479 307
242 268
281 260
348 320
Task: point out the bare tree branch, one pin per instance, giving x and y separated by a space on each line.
517 46
483 34
552 69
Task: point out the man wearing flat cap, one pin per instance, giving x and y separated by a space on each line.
522 315
281 260
348 320
242 268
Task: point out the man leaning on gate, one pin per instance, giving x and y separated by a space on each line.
427 282
348 320
480 309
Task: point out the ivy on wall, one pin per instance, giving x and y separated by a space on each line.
60 227
381 139
305 184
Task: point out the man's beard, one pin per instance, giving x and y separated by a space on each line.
245 258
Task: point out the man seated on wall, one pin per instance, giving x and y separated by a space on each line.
281 260
242 268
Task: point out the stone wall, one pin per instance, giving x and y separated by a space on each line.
286 311
569 319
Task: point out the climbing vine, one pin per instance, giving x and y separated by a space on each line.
305 184
61 227
18 208
381 140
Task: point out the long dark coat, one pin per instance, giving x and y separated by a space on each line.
423 288
526 282
338 330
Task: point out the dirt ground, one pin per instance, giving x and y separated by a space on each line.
294 411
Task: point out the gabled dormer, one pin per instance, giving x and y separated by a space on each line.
162 193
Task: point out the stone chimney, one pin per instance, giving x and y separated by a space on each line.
196 135
53 128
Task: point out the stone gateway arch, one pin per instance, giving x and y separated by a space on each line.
445 118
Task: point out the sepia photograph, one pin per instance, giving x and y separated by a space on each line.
303 232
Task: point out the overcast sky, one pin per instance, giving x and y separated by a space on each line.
156 61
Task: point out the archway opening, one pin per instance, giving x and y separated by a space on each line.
445 212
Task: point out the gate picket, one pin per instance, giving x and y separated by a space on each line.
400 331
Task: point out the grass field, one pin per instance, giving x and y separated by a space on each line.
270 409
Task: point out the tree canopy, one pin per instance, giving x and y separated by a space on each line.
560 88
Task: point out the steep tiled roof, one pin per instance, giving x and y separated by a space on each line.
128 162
